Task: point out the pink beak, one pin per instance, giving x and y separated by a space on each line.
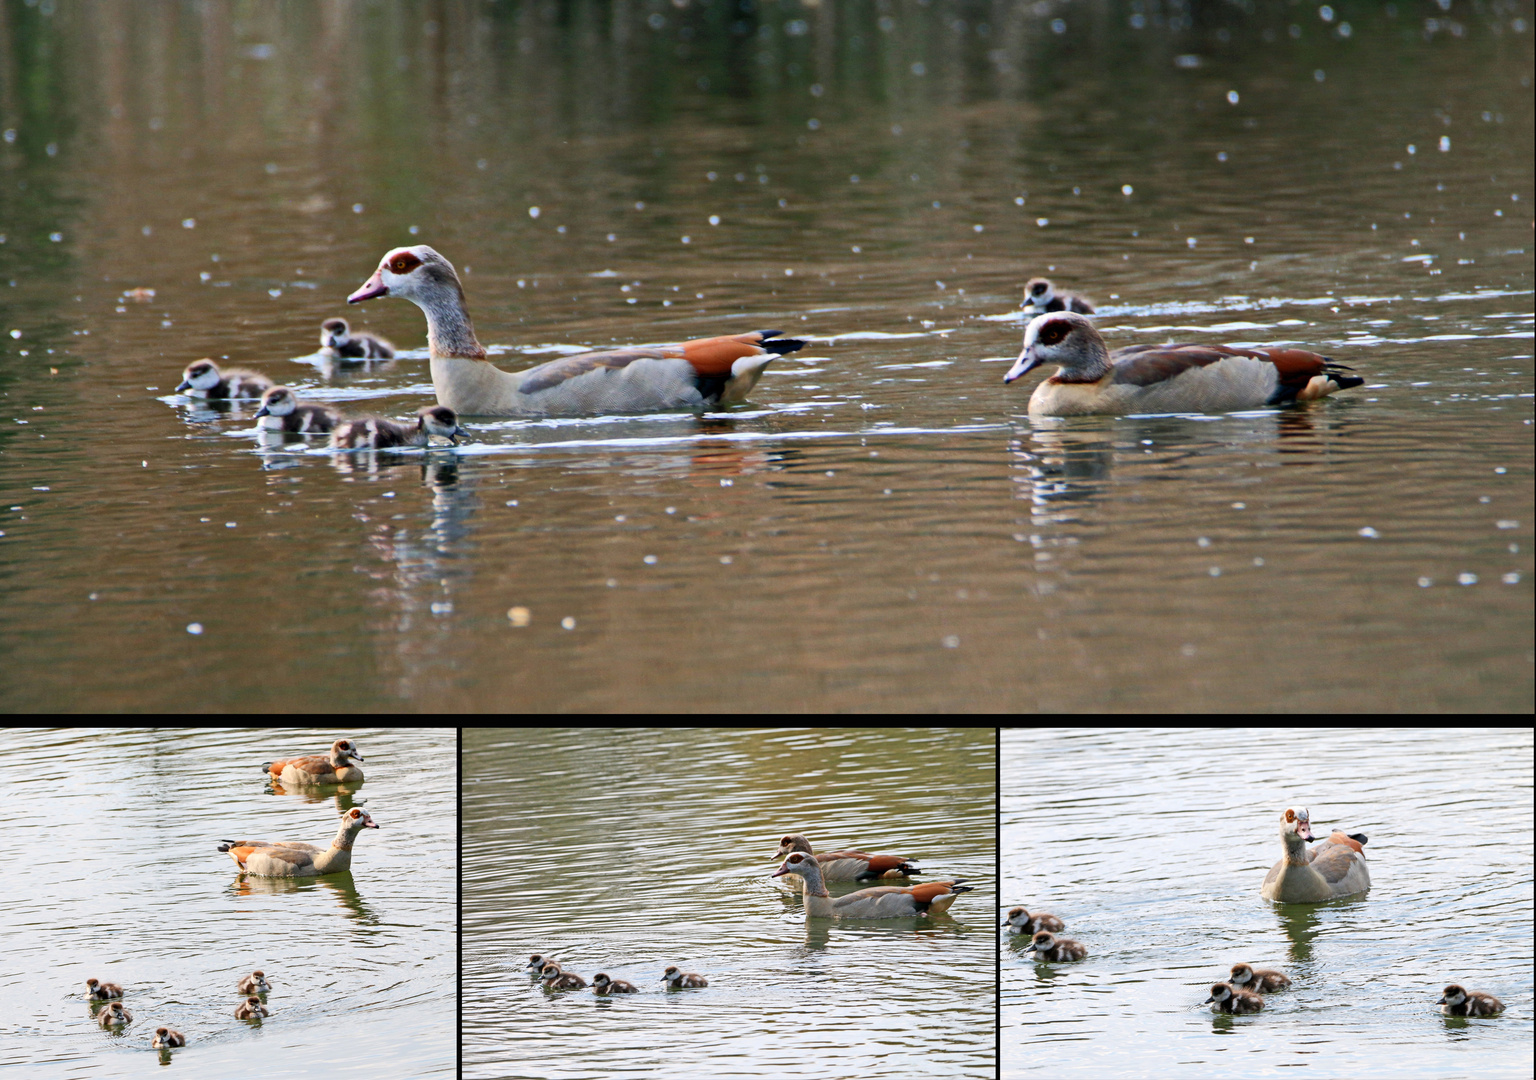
371 288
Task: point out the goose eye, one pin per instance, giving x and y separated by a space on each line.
1054 332
404 263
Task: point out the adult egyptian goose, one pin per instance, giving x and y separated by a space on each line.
884 902
1455 1001
374 433
556 979
114 1014
287 859
281 410
849 865
1230 1000
203 379
250 1009
677 979
1041 296
254 983
1048 947
602 984
1020 921
167 1037
1328 871
1163 378
1244 977
337 767
700 374
337 339
102 991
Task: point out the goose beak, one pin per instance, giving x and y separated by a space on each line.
1022 366
373 287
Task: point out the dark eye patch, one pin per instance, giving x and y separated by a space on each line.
1053 332
404 263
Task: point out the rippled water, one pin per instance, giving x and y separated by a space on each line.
1151 847
882 526
113 872
631 850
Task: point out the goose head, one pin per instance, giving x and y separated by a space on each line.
1296 823
802 863
1038 292
440 420
418 274
1065 338
278 401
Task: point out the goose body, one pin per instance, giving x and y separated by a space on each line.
114 1014
678 979
883 902
1334 868
1455 1001
1020 921
375 433
1244 977
556 979
166 1037
337 339
254 983
1164 378
203 379
251 1009
1048 947
1041 296
281 410
602 984
1229 1000
849 865
102 991
337 767
289 859
696 375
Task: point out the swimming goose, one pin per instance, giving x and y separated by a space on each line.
602 984
254 983
1455 1001
289 859
884 902
250 1009
1244 977
849 865
1229 1000
1047 946
1330 870
1041 296
377 434
114 1014
698 374
677 979
1020 921
102 991
334 768
1164 378
337 339
204 379
165 1037
556 979
281 410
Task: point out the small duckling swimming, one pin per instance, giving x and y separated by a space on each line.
556 979
254 983
204 379
377 434
114 1014
1229 1000
1041 296
250 1009
1048 947
1020 921
102 991
1457 1002
677 979
168 1037
537 961
337 339
1245 978
602 984
281 410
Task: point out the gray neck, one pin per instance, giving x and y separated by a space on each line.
449 330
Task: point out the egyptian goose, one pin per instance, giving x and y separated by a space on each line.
849 865
698 374
250 1009
1230 1000
377 434
602 984
884 902
337 339
334 768
114 1014
1328 871
165 1037
536 963
1457 1002
556 979
204 379
1048 947
1164 378
288 859
1041 296
677 979
102 991
281 410
254 983
1244 977
1020 921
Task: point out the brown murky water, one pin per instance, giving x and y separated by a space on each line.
882 526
